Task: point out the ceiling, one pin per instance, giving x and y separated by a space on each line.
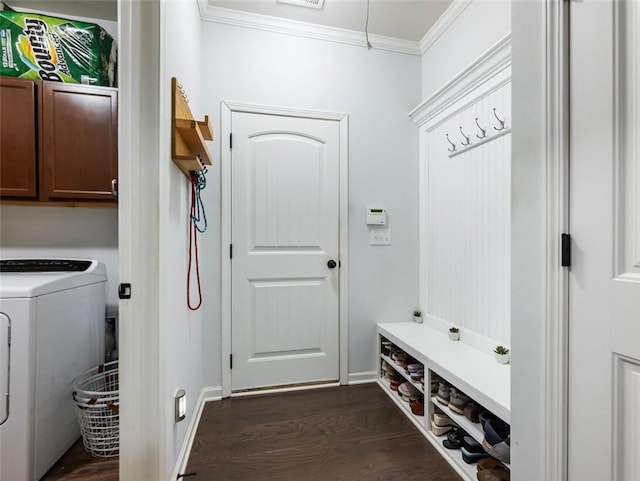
404 19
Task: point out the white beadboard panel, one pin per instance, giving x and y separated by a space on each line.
287 190
467 211
627 420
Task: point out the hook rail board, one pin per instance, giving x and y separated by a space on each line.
188 136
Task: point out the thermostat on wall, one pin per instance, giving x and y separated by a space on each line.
376 216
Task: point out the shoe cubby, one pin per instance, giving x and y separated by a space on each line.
398 377
472 378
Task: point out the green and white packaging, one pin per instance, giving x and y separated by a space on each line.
41 47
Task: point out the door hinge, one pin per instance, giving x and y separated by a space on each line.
565 250
230 251
231 141
124 291
230 361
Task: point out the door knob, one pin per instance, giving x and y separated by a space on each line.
331 264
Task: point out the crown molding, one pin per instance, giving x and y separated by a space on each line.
495 60
268 23
444 22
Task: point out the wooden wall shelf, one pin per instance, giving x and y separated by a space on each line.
188 136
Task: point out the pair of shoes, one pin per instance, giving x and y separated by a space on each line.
444 393
472 450
497 439
415 367
417 407
385 346
471 412
416 371
395 380
489 463
440 430
458 401
441 419
400 358
497 473
386 368
441 424
455 438
408 391
485 416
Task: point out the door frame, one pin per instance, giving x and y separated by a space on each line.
226 111
539 372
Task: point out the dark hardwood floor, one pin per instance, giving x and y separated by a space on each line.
349 433
77 464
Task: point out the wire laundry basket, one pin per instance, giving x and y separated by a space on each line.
96 396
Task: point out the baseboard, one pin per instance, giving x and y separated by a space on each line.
362 377
207 394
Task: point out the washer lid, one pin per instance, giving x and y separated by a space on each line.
36 277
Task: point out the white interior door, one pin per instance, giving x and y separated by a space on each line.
604 330
284 233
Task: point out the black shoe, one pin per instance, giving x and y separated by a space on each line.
455 438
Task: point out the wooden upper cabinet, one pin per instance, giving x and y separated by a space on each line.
80 142
19 101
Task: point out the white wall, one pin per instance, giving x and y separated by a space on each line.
480 25
185 335
75 233
376 89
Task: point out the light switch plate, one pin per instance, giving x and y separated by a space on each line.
380 237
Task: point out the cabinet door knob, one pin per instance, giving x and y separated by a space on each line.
332 264
114 187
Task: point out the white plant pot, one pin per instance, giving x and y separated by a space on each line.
454 336
502 358
417 319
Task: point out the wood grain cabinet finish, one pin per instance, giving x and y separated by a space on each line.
80 146
19 100
59 142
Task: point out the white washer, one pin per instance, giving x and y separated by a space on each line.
52 315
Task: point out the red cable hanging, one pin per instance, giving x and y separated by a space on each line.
193 247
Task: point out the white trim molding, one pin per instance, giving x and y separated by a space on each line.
539 216
268 23
488 65
142 400
444 22
226 109
557 278
362 377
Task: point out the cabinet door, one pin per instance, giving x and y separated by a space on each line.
18 137
80 142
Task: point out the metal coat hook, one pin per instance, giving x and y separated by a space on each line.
452 144
465 138
484 131
499 120
184 94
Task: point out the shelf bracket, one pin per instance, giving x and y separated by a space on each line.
188 136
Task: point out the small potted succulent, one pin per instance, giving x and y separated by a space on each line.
454 333
501 354
417 316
